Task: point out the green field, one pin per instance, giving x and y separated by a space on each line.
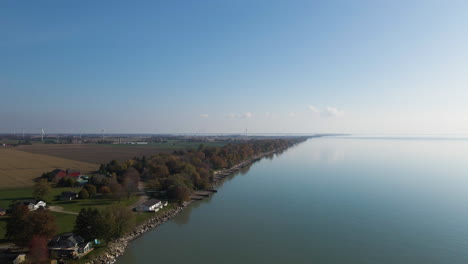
65 221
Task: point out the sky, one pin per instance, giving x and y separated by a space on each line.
264 66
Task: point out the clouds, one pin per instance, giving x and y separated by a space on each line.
313 109
328 112
204 115
246 115
332 112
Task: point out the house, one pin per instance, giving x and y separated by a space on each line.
33 204
58 174
73 173
68 245
2 212
152 205
68 196
82 180
21 258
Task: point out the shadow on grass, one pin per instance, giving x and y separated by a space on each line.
97 203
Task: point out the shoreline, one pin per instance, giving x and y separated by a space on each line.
117 247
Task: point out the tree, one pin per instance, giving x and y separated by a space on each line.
38 252
83 194
118 220
116 191
90 224
130 181
104 190
42 191
161 171
179 193
23 225
91 189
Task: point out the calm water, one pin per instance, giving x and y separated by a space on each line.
329 200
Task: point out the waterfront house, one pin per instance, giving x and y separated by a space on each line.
68 245
152 205
33 204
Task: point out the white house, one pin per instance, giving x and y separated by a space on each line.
152 205
34 204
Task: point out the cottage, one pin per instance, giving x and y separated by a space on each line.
33 204
68 245
68 196
152 205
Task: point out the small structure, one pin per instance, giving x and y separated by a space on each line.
82 180
33 204
58 174
68 196
152 205
2 212
21 258
68 245
73 173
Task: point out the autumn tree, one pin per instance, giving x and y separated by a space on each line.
91 190
38 251
131 178
42 191
23 225
179 193
118 220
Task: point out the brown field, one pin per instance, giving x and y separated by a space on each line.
96 153
92 153
19 168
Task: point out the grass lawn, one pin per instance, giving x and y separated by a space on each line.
65 222
97 202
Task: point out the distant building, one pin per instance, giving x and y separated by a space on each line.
73 173
58 174
2 212
68 196
68 245
152 205
21 258
33 204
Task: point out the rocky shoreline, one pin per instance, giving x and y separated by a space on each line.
117 248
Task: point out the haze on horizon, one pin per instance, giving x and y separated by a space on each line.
224 66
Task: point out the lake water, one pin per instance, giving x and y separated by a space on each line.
329 200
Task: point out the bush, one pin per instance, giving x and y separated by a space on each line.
91 190
83 194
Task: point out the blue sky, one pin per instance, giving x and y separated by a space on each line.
224 66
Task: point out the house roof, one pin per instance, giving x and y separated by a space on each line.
69 194
151 202
68 240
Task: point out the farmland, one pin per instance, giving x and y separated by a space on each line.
20 168
103 153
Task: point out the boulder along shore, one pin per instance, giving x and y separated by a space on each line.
117 247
